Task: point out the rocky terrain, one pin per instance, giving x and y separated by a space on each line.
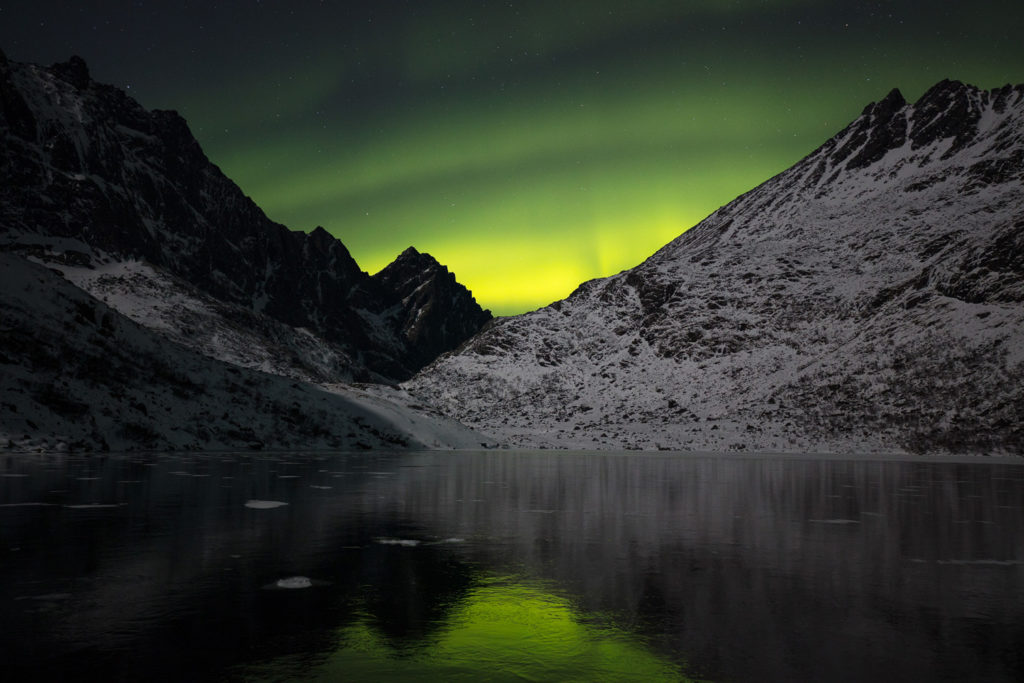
90 180
78 375
870 298
148 304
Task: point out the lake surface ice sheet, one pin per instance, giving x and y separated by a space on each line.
506 565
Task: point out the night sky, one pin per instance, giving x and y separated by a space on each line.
527 146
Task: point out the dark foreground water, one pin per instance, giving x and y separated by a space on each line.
498 566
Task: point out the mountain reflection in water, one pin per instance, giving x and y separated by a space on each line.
511 566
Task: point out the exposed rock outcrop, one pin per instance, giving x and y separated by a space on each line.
85 170
870 298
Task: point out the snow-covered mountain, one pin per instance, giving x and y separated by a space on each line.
871 297
77 375
91 180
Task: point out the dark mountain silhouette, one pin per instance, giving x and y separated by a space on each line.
88 177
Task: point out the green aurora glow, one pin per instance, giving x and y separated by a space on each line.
504 630
530 146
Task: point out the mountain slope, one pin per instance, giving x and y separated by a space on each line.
77 375
186 315
86 171
869 298
432 317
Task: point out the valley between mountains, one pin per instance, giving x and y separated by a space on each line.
870 298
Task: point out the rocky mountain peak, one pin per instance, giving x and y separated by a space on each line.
82 163
428 292
74 71
945 93
881 127
325 243
410 270
949 109
409 263
887 106
868 298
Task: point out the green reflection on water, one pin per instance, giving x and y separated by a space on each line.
504 630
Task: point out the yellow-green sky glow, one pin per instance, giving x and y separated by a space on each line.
528 146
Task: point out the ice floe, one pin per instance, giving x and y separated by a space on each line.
264 504
408 542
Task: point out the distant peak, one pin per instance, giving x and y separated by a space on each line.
947 110
418 258
894 98
411 263
322 240
74 71
943 91
885 107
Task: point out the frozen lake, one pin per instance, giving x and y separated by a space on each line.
509 565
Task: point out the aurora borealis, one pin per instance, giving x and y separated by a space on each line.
527 146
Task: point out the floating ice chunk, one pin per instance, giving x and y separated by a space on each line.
398 541
325 488
264 504
10 475
293 582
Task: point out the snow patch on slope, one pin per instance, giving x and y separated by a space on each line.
843 305
78 375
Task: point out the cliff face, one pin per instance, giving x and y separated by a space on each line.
435 313
88 176
76 375
871 297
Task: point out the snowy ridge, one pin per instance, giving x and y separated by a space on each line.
235 334
869 298
78 375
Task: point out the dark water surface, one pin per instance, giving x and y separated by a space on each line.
505 565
